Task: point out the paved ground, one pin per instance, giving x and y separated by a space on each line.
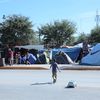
37 85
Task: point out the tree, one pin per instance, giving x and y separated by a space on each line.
16 29
57 33
82 37
95 35
71 41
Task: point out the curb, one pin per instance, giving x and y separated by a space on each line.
47 67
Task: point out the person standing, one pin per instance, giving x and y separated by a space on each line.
11 56
85 48
17 58
54 67
6 55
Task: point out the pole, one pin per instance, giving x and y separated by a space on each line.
97 19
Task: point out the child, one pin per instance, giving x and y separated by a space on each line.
54 67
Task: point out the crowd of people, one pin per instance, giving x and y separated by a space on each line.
24 56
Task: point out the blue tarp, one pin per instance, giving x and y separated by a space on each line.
73 53
93 58
30 57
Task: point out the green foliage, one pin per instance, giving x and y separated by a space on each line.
70 41
57 33
16 29
95 35
81 38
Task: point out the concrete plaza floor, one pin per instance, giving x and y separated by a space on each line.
37 85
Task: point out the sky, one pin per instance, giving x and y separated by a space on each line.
41 12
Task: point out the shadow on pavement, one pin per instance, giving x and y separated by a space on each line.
42 83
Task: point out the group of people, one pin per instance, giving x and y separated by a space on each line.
24 56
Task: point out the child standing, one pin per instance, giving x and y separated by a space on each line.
54 67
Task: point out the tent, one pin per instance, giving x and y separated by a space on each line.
72 52
81 45
37 47
93 58
63 58
27 59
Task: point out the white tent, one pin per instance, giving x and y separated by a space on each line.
37 47
81 45
93 58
